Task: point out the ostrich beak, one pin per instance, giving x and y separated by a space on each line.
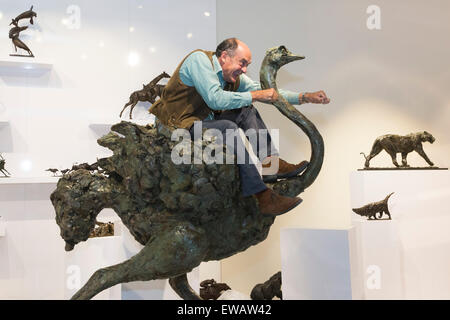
287 56
293 57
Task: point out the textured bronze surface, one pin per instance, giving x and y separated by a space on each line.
211 290
269 289
148 93
15 31
183 214
393 144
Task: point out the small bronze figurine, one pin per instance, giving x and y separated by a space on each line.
103 230
394 144
370 210
2 167
269 289
53 170
14 36
211 290
24 15
148 93
64 171
16 30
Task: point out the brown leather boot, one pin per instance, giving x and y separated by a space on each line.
285 170
272 204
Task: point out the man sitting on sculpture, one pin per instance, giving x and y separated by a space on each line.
212 87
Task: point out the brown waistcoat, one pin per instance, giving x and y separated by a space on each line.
181 105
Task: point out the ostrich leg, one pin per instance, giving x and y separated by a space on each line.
155 261
181 286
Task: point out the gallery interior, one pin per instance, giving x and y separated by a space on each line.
362 232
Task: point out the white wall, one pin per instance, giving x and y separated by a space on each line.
393 80
48 112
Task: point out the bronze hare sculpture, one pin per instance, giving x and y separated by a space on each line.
182 214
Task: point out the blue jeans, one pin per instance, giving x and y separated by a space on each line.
245 118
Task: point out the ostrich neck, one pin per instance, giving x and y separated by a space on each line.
268 76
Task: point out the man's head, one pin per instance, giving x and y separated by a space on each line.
234 57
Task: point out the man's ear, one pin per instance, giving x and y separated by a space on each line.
224 54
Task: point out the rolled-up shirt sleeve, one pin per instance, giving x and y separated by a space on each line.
197 71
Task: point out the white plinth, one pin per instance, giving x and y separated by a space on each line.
88 257
407 257
317 264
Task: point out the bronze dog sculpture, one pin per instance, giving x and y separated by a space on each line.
182 214
394 144
370 210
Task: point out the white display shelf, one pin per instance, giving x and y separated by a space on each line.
2 229
321 265
28 180
25 64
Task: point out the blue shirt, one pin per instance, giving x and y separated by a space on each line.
197 71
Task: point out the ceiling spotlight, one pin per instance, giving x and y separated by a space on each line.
26 165
133 59
206 13
189 35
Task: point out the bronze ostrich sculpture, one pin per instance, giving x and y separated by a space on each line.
182 214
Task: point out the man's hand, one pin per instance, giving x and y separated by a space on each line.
315 97
267 96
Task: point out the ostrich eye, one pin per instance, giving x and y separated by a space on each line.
283 49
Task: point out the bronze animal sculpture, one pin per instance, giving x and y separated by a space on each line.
182 214
394 144
370 210
2 167
211 290
148 93
52 170
269 289
14 36
103 230
24 15
85 166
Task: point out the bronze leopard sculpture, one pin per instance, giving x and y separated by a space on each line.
394 144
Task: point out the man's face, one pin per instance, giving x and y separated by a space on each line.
236 64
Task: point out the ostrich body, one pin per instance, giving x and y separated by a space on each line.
182 214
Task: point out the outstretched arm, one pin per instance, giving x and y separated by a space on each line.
270 95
